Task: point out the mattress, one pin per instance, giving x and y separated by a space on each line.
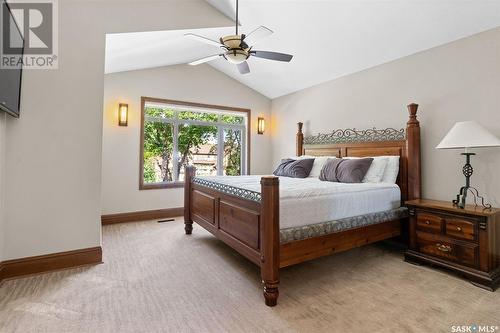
306 201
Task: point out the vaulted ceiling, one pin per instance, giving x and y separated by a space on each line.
328 38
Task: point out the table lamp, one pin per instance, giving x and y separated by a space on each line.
466 135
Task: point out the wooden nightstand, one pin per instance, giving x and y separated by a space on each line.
466 241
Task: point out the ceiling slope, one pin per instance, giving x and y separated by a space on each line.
328 39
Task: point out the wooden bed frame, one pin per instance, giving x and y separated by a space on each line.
252 227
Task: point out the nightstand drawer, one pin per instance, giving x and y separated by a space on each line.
465 240
443 247
460 228
429 222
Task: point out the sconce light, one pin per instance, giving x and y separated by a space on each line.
261 125
123 114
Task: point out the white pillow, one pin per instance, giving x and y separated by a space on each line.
319 161
392 170
376 171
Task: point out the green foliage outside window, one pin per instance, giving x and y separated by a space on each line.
201 116
191 138
158 151
232 152
158 142
232 119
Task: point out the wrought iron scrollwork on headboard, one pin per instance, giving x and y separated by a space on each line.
380 141
354 135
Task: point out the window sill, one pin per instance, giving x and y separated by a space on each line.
160 186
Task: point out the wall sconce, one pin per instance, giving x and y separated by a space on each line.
123 114
261 125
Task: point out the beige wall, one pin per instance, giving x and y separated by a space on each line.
52 195
455 82
120 146
2 177
53 152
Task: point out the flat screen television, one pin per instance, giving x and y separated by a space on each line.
10 78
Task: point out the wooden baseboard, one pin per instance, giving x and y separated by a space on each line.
142 216
50 262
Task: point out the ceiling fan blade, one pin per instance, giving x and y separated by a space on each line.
243 68
257 34
204 39
205 59
272 55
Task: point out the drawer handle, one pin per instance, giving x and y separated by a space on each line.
427 222
443 248
459 228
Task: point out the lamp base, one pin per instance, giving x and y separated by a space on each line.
462 195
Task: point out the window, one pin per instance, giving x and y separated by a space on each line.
175 134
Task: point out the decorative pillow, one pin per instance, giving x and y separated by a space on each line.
294 168
391 170
376 171
319 161
292 158
345 170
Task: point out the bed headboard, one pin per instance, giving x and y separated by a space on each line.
374 142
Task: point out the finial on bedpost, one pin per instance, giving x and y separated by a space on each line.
300 140
413 153
412 109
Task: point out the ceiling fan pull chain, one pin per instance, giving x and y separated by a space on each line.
236 17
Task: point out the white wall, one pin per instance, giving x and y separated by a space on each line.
120 152
455 82
2 177
53 153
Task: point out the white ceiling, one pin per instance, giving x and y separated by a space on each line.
328 38
138 50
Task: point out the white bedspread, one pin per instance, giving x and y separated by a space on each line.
306 201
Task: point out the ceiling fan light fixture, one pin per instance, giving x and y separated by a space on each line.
236 56
232 41
237 48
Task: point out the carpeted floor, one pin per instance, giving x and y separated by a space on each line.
156 279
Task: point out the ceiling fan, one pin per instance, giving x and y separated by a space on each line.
238 48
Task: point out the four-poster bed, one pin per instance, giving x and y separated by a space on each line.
249 221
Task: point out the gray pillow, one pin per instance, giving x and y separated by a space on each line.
345 171
294 168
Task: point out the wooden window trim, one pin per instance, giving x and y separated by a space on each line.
179 184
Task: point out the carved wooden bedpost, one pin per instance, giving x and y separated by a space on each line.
300 140
188 222
270 238
413 148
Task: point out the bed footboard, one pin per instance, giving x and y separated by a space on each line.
248 226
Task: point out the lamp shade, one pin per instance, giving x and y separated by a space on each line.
468 134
